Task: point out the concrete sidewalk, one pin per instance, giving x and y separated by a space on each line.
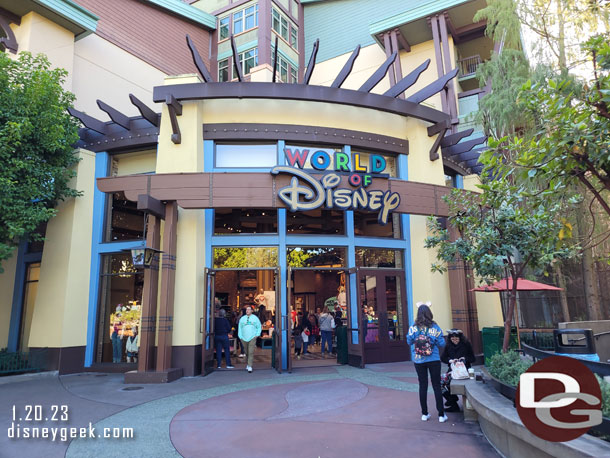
335 411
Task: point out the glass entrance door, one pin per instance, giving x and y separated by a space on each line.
383 315
207 364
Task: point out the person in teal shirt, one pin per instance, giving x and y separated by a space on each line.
249 329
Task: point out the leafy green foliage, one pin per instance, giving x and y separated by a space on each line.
570 145
605 387
508 367
36 153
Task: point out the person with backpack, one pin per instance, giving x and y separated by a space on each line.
425 338
327 324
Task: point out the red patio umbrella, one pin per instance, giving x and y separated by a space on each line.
522 285
506 284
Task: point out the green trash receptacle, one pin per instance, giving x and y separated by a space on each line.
493 338
341 344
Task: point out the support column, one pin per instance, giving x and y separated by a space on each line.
149 299
388 52
397 65
168 276
264 32
448 66
439 59
463 302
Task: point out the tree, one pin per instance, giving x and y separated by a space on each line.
36 153
501 233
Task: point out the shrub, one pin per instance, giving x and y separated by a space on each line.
507 367
605 386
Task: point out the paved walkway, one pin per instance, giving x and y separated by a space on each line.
314 412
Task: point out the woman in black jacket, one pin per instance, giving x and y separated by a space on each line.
222 328
457 347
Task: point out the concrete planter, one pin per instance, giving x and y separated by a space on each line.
508 391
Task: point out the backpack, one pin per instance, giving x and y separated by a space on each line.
423 346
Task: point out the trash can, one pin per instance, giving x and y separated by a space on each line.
341 344
493 337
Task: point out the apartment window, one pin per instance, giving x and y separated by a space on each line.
238 22
294 77
293 37
248 59
251 16
223 71
245 19
282 67
224 28
279 24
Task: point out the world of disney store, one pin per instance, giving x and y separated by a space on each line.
295 195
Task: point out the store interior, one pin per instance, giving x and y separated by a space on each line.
311 290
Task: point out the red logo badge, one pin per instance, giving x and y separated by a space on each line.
559 399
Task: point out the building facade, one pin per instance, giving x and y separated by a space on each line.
271 157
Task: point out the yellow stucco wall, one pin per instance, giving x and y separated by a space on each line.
106 72
130 163
60 314
190 251
7 280
38 34
489 308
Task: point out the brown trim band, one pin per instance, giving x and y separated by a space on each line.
229 190
308 134
301 92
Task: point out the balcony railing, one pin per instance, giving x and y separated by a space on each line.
468 66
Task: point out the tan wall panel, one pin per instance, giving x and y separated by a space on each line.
7 282
140 162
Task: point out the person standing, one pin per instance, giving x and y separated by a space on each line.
222 328
327 324
249 329
425 338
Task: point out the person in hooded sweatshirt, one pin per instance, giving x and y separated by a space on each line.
457 347
425 338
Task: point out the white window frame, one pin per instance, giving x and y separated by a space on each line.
243 15
242 59
220 27
222 67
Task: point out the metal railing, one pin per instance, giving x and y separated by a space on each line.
468 66
18 362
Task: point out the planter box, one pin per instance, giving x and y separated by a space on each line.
508 391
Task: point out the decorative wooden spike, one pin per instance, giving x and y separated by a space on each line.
115 115
407 81
199 63
432 88
347 68
275 60
466 156
451 140
379 74
236 62
471 163
312 61
88 121
463 147
145 111
439 128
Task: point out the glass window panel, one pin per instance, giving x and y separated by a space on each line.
275 20
224 28
319 221
245 220
283 70
248 59
294 77
369 308
251 17
125 221
316 256
367 225
245 155
238 24
284 28
394 307
293 37
120 308
235 258
223 70
378 257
